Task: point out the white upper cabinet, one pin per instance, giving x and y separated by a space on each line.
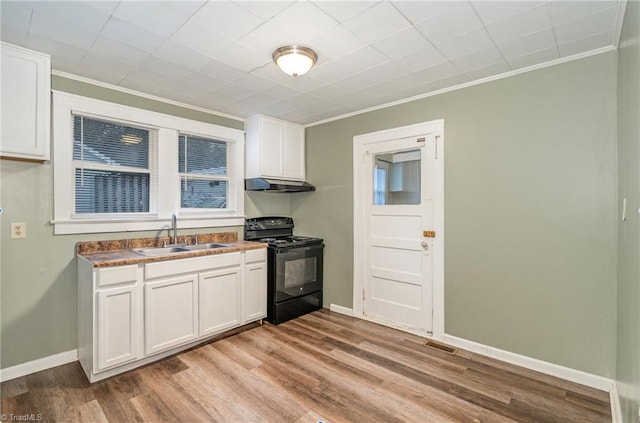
274 149
26 93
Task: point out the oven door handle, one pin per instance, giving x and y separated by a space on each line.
300 249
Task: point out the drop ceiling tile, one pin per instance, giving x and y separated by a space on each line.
266 38
344 10
61 52
592 42
529 44
527 22
466 44
65 12
166 68
377 22
402 43
279 92
13 35
185 7
495 10
146 77
16 14
434 73
264 9
242 57
477 60
227 18
370 76
422 59
418 11
533 58
177 53
206 82
562 11
336 42
128 33
155 17
244 87
107 7
271 72
118 51
487 71
304 21
327 92
303 84
362 59
585 27
222 71
202 39
103 69
448 82
59 31
449 24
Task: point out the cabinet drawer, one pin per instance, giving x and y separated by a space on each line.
117 275
255 255
188 265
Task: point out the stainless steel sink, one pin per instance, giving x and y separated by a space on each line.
205 246
159 251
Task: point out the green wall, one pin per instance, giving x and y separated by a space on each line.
530 209
38 274
628 348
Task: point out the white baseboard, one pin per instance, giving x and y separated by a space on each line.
340 309
38 365
616 409
572 375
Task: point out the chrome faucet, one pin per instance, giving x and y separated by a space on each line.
174 225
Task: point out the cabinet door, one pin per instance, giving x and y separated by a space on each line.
293 153
170 312
25 103
255 307
220 300
272 134
118 326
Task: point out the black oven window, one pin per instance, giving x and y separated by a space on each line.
299 272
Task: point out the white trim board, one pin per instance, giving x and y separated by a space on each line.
616 409
38 365
340 309
566 373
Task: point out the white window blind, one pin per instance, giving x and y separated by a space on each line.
204 173
114 167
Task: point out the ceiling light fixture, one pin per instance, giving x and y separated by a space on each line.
294 60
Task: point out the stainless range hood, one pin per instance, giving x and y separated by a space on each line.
276 185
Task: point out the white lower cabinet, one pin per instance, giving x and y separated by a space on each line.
220 305
131 315
170 312
255 275
118 326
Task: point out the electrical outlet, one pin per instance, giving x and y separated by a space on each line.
18 230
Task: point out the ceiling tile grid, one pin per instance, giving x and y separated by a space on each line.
217 54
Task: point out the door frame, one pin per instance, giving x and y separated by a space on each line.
360 143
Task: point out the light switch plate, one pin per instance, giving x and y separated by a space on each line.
18 230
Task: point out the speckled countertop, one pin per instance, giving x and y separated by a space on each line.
120 252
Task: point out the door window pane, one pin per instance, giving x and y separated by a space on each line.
396 178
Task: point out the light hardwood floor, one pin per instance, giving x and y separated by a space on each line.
322 367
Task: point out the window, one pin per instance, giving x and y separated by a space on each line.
202 164
113 167
118 168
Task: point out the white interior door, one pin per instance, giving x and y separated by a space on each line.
399 188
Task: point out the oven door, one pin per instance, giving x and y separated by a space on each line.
298 271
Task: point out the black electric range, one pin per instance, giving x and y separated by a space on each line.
294 267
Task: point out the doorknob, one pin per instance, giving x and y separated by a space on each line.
425 245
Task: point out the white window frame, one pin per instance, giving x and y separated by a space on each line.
66 221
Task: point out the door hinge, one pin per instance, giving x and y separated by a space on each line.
421 139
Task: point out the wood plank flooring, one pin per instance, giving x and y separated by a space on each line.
322 367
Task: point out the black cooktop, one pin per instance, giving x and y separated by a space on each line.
276 231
